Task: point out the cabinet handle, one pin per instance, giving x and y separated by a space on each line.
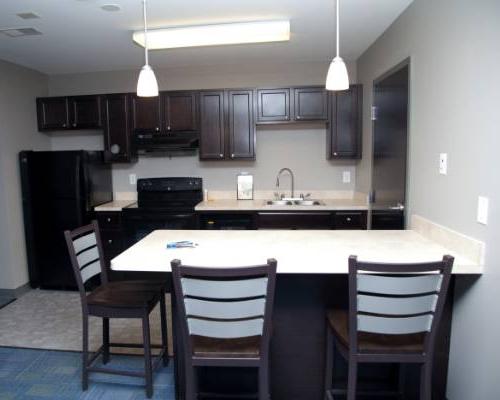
74 125
110 241
221 155
298 117
168 128
348 219
157 129
334 153
64 125
109 219
232 155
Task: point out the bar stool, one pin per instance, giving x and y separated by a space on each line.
394 313
225 319
127 299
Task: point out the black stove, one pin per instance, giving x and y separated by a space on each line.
163 203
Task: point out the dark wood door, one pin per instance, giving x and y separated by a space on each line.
146 116
344 134
241 129
212 130
52 113
85 112
273 105
310 104
180 111
117 133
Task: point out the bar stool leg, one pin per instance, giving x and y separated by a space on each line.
191 381
264 380
85 352
328 361
163 321
105 340
352 379
147 356
425 381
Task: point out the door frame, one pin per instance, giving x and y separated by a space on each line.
407 62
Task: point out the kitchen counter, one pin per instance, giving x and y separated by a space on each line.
260 205
114 206
297 252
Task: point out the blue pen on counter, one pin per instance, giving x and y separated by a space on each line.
181 244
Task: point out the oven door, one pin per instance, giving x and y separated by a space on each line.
140 224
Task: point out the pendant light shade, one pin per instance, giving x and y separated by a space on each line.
337 77
147 86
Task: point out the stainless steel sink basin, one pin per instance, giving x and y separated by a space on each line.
293 203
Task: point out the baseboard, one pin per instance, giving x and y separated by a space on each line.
16 293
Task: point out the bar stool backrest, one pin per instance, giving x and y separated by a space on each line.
86 255
225 303
397 299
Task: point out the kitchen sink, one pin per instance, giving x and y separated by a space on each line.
293 203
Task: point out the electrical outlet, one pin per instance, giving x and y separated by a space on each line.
443 163
132 179
482 210
346 176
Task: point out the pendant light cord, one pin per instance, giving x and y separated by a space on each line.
145 33
338 28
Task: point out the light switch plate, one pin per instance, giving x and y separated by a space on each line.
346 176
443 163
482 210
132 179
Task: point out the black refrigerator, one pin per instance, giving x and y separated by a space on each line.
59 191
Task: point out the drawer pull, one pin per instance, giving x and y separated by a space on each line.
109 219
110 241
348 219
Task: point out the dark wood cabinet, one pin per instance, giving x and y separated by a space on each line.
294 220
180 112
113 241
310 104
52 113
241 124
118 143
146 115
85 112
212 127
227 127
350 220
345 116
63 113
273 105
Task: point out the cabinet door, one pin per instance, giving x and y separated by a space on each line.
310 104
212 126
350 220
52 113
85 112
180 110
273 105
241 130
146 116
344 135
117 132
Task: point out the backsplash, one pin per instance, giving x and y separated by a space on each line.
300 148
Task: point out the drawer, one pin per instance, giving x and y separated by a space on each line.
293 220
109 220
350 220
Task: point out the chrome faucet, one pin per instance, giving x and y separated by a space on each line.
278 181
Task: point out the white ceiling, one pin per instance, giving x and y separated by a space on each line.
80 37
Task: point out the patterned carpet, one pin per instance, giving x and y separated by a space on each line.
51 320
55 375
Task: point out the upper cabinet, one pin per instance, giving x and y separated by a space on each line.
118 143
345 116
295 104
62 113
227 125
170 112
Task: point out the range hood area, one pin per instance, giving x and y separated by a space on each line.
147 143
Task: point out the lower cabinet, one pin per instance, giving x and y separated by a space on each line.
294 220
113 243
350 220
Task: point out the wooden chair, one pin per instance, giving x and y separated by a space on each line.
225 317
394 312
127 299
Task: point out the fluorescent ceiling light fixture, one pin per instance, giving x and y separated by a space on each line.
213 35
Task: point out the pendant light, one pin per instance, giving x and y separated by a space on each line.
147 86
337 78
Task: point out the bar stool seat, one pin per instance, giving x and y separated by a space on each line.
117 295
205 347
372 342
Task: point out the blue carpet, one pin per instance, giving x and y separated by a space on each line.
56 375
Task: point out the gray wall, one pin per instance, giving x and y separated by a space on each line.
301 148
454 50
18 88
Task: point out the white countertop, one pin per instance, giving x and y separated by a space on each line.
116 205
260 205
302 251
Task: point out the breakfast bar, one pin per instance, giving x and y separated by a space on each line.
312 277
